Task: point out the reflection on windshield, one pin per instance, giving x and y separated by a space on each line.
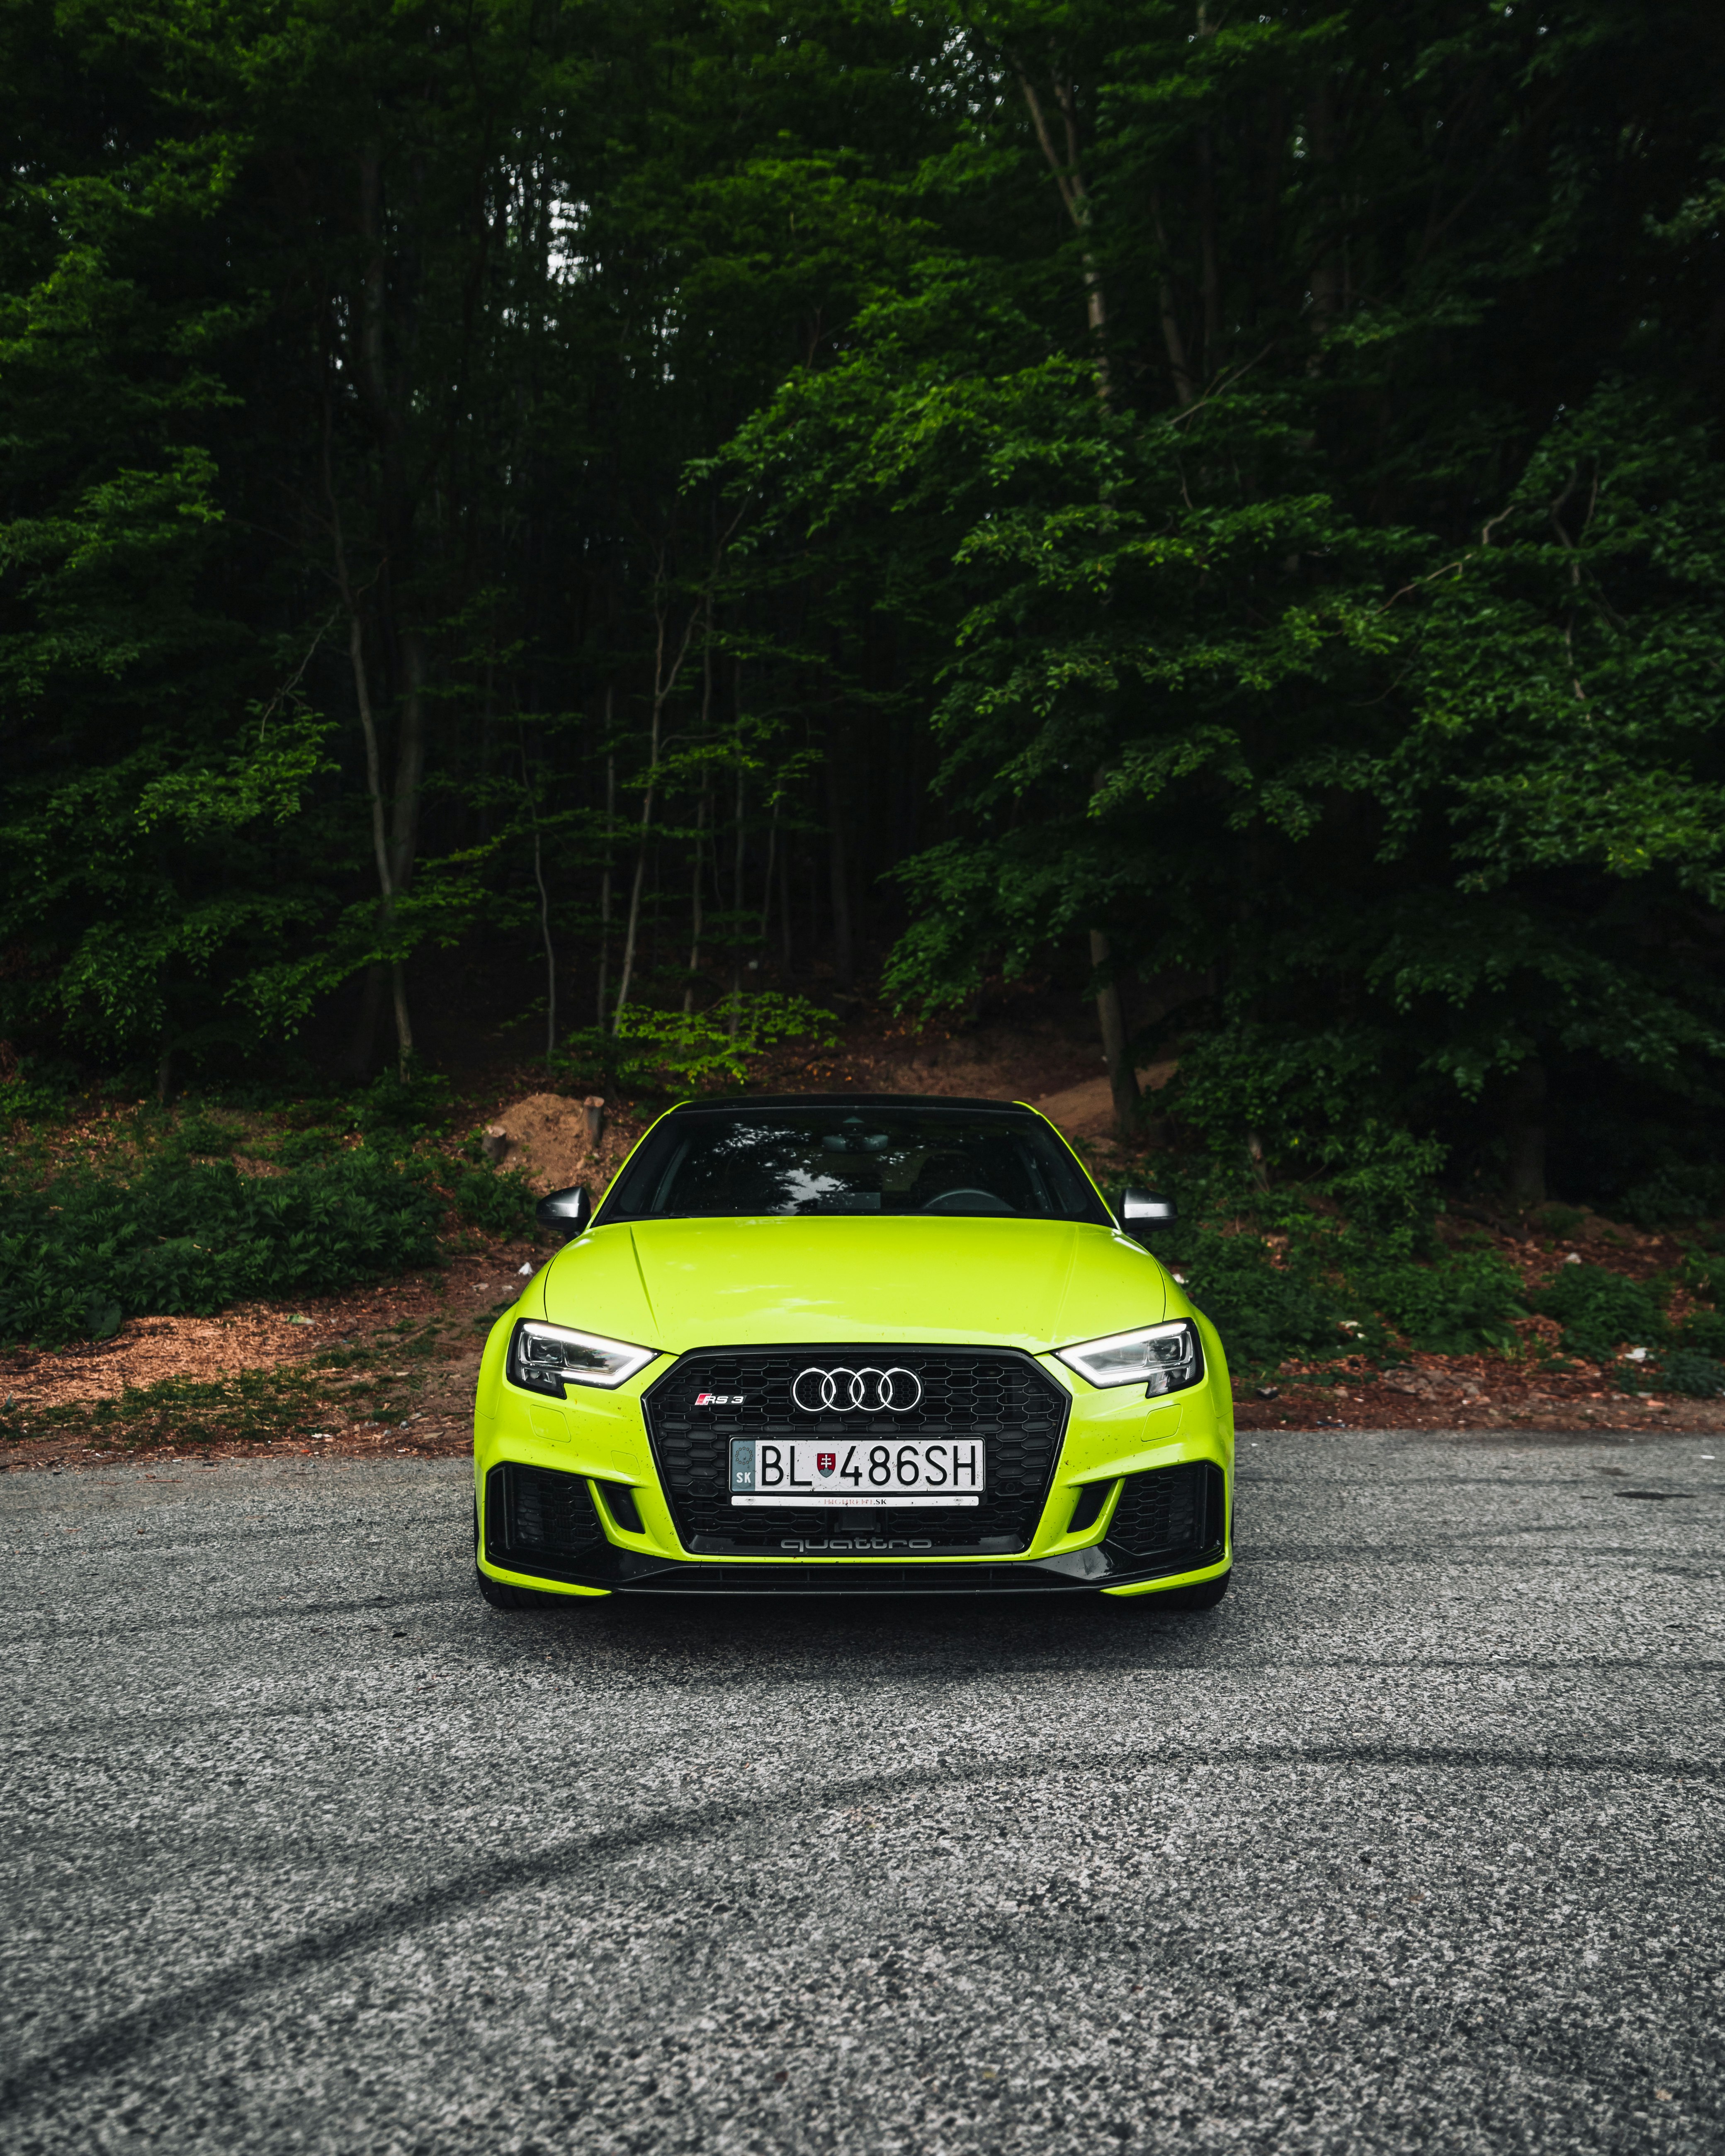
868 1160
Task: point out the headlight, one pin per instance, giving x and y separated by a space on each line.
1162 1359
546 1358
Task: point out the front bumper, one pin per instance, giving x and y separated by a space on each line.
570 1499
582 1522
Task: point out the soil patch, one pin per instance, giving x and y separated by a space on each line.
1087 1110
546 1136
1459 1392
390 1367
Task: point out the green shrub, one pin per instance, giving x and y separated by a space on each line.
82 1249
499 1201
1687 1190
1263 1312
1599 1311
1703 1333
1336 1290
1384 1181
301 1148
1677 1370
201 1133
1461 1304
693 1051
389 1111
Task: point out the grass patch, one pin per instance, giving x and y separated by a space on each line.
255 1407
252 1407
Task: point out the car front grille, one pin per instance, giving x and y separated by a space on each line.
1169 1511
996 1395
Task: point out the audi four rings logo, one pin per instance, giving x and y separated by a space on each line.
819 1392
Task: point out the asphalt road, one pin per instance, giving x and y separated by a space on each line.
1414 1844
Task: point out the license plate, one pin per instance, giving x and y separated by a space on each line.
929 1471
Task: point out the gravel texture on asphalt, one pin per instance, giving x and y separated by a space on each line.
1414 1844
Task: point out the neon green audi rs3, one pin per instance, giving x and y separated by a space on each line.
857 1344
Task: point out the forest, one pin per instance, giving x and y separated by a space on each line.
652 522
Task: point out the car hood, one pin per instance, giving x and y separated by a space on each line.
675 1284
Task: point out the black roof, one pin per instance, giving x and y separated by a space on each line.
842 1101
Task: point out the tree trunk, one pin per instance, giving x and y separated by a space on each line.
396 517
1122 1079
1173 342
1209 265
1069 178
736 874
665 670
767 876
404 831
551 955
784 910
838 869
694 905
1327 267
605 880
366 1032
706 712
1524 1133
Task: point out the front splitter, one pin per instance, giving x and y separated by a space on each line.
1077 1572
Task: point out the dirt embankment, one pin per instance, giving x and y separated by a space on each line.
391 1366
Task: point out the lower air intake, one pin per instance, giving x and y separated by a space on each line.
538 1521
1171 1512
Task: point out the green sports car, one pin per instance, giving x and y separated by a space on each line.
833 1345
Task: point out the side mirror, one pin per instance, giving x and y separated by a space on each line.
1140 1210
565 1214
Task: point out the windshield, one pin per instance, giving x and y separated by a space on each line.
839 1159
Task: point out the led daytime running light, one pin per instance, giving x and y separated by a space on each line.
544 1359
1162 1359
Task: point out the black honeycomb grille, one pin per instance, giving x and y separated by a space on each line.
537 1520
996 1395
1169 1511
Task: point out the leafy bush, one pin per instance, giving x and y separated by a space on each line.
322 1141
1686 1190
1456 1307
1703 1333
26 1101
1601 1311
1316 1103
499 1201
1359 1280
1384 1180
201 1133
695 1050
82 1251
1677 1370
389 1110
1263 1312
